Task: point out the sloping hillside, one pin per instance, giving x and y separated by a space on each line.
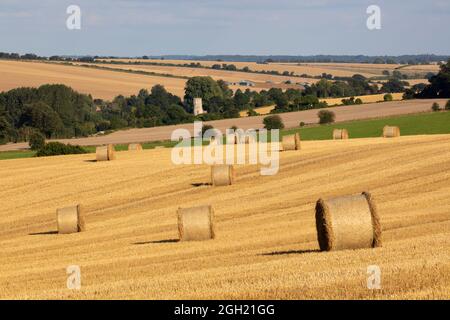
266 243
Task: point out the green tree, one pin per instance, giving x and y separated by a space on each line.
388 97
241 100
37 141
435 107
42 117
439 86
176 114
5 130
56 148
273 122
393 85
326 116
201 87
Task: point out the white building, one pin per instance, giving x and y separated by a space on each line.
198 106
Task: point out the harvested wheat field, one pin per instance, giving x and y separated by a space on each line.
101 84
313 69
265 247
262 81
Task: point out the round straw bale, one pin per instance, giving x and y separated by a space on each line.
340 134
196 223
101 153
111 152
105 153
348 222
391 132
70 220
222 175
291 142
134 147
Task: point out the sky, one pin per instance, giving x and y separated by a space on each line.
247 27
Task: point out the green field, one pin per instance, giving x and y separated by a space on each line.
416 124
423 123
6 155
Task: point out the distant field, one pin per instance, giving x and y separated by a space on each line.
107 84
417 124
366 69
262 81
365 99
313 69
99 83
334 101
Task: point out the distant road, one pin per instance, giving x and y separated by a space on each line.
291 120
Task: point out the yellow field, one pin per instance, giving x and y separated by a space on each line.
313 69
266 245
99 83
372 98
365 99
107 84
262 81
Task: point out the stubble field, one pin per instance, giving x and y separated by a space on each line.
101 84
266 240
313 69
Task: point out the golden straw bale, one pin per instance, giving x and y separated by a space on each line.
134 147
291 142
105 153
222 175
348 222
340 134
196 223
70 220
391 132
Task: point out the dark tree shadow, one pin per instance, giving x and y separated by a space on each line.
281 253
201 184
90 160
43 233
157 241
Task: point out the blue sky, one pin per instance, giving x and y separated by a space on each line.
138 27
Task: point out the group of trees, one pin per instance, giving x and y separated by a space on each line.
439 86
146 109
436 107
220 102
353 86
56 111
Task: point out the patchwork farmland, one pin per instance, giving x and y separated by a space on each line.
314 69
